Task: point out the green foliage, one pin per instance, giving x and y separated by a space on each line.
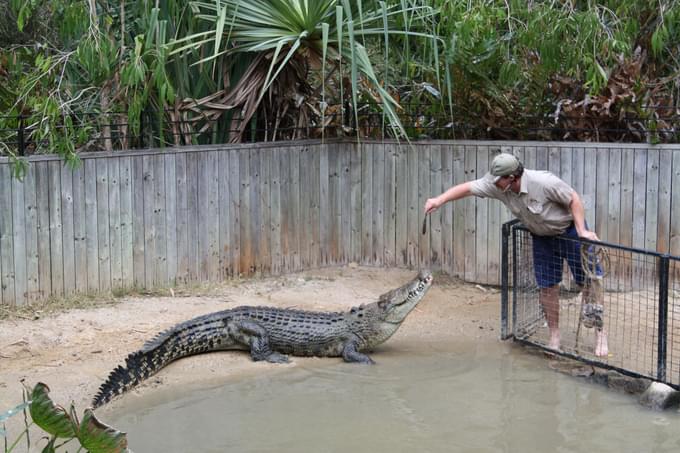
505 55
51 418
92 434
291 32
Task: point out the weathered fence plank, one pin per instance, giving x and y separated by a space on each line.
566 165
483 236
306 186
315 222
446 220
170 215
378 205
91 240
204 208
182 219
19 240
331 214
6 243
389 207
209 220
234 212
345 195
414 207
459 221
602 192
651 207
627 180
246 261
287 223
126 221
675 213
424 192
326 213
435 220
138 223
664 206
161 242
116 242
149 223
193 177
493 231
614 200
296 216
32 258
469 207
275 212
589 187
366 203
264 237
68 229
401 205
639 196
56 246
355 203
224 217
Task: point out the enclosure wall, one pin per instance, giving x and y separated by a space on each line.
157 217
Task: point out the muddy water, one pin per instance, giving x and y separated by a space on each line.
462 397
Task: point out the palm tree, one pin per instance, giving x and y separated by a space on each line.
283 43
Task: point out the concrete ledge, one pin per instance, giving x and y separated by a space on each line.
651 394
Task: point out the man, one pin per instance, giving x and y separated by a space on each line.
548 207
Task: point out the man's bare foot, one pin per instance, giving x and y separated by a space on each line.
554 340
601 347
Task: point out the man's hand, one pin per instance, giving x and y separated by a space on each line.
432 204
454 193
590 235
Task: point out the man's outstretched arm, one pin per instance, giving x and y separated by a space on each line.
454 193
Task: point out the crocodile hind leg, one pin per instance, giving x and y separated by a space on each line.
253 335
351 354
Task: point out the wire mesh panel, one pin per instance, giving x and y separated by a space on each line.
614 306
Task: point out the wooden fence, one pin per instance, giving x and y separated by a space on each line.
158 217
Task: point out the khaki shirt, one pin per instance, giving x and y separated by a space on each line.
542 203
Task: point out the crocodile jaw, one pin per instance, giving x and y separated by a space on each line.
397 304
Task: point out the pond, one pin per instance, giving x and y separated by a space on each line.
428 397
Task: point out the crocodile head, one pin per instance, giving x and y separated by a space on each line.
398 303
376 322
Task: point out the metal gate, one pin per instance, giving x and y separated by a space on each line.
638 305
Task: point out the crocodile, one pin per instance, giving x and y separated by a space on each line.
271 334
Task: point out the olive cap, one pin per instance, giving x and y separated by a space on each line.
503 164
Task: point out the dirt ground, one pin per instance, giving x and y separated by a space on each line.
73 351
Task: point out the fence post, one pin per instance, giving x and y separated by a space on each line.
664 264
505 287
20 136
505 272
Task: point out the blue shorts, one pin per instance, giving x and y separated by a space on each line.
549 253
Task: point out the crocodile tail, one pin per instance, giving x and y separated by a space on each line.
195 336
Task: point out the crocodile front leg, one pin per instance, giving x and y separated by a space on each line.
351 354
253 335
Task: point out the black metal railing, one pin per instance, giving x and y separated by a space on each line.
640 299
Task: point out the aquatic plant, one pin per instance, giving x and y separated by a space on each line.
62 426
